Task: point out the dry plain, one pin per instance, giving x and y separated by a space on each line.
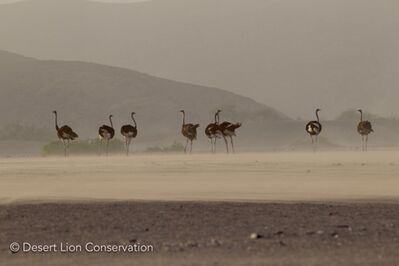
324 208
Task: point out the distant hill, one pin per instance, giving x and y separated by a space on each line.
85 94
344 129
288 54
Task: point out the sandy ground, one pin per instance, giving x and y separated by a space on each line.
328 208
243 177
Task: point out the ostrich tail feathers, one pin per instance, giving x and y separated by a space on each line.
237 125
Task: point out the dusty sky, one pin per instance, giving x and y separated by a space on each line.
106 1
288 54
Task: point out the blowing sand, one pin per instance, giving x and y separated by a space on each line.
242 177
328 208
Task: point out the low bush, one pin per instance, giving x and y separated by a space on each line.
175 147
83 147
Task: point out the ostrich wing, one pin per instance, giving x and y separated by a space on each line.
129 130
103 130
67 131
364 127
313 127
211 129
233 127
368 125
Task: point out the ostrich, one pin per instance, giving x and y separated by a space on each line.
314 128
129 132
189 131
211 131
227 129
106 133
64 133
364 128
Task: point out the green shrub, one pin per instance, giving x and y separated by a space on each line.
83 147
175 147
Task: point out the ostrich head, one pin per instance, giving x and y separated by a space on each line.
133 113
360 111
110 120
217 116
317 114
182 111
54 112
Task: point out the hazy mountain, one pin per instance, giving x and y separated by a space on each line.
292 55
85 94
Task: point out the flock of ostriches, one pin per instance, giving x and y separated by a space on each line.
213 131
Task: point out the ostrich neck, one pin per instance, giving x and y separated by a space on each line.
184 119
317 115
56 122
110 120
361 116
216 118
134 121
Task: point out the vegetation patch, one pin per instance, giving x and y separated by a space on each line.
83 147
175 147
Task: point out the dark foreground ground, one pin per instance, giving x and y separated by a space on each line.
206 233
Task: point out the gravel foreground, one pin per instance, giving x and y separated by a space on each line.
203 233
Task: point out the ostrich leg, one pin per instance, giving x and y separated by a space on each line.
100 147
214 145
68 142
64 144
185 147
232 144
126 146
367 140
313 145
191 146
362 143
130 143
106 149
227 145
